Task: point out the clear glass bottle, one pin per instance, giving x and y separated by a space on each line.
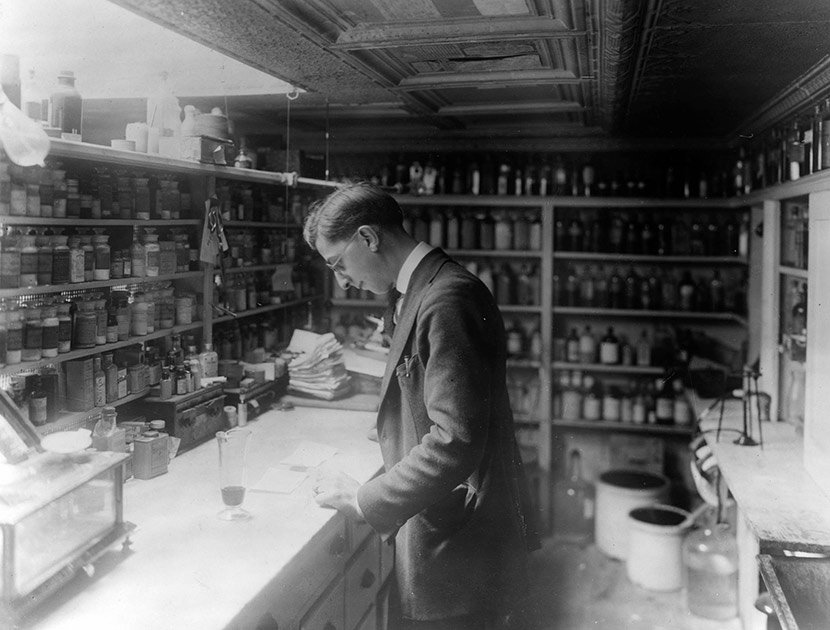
100 383
28 259
710 556
76 260
111 373
138 256
38 403
573 504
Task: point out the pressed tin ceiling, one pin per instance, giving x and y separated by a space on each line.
527 72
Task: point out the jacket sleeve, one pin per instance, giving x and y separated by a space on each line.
447 392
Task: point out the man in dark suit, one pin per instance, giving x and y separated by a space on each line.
453 495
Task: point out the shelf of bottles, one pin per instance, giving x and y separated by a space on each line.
98 264
268 267
793 292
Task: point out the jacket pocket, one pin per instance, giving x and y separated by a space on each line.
452 512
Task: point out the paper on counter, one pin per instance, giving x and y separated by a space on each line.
309 454
279 481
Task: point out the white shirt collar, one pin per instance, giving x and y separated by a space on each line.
409 265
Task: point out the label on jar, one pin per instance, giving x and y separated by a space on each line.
609 353
50 339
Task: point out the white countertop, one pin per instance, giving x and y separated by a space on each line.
782 504
187 568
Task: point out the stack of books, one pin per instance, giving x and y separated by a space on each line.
316 366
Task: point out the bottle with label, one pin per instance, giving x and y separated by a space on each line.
573 504
664 401
38 403
587 346
152 253
28 259
609 348
50 328
572 347
592 394
111 374
99 379
32 334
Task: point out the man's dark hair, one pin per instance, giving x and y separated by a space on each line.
338 216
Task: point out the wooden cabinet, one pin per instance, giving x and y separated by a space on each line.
340 581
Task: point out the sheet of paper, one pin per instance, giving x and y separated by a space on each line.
279 480
309 454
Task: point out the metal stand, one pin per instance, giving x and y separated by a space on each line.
750 376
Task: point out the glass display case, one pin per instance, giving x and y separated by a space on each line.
59 511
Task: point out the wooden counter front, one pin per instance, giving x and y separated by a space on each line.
188 569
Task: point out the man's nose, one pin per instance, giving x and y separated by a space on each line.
343 281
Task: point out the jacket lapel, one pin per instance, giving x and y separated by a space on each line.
421 278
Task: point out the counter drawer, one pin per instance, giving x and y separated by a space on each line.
362 581
327 613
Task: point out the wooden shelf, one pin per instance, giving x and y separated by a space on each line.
623 312
251 269
262 224
621 427
270 308
495 253
107 347
535 201
96 284
651 259
610 369
103 222
73 419
529 364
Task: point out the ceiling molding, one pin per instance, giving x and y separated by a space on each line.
452 31
807 89
537 107
487 80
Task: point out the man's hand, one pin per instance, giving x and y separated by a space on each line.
339 491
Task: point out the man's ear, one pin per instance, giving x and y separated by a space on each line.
370 237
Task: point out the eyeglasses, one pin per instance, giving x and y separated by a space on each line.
335 266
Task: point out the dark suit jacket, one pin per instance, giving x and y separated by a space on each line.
453 493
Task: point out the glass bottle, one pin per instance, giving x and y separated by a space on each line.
103 258
100 383
152 253
61 260
111 374
609 348
28 259
38 407
89 257
76 260
66 105
14 342
86 324
573 504
710 557
49 326
587 346
64 327
138 256
44 257
9 261
32 334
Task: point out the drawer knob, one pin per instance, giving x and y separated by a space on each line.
338 546
368 579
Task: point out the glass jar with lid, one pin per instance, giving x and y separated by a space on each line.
61 259
168 262
14 338
138 321
76 260
28 259
89 257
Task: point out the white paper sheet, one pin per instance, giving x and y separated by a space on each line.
309 454
279 480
